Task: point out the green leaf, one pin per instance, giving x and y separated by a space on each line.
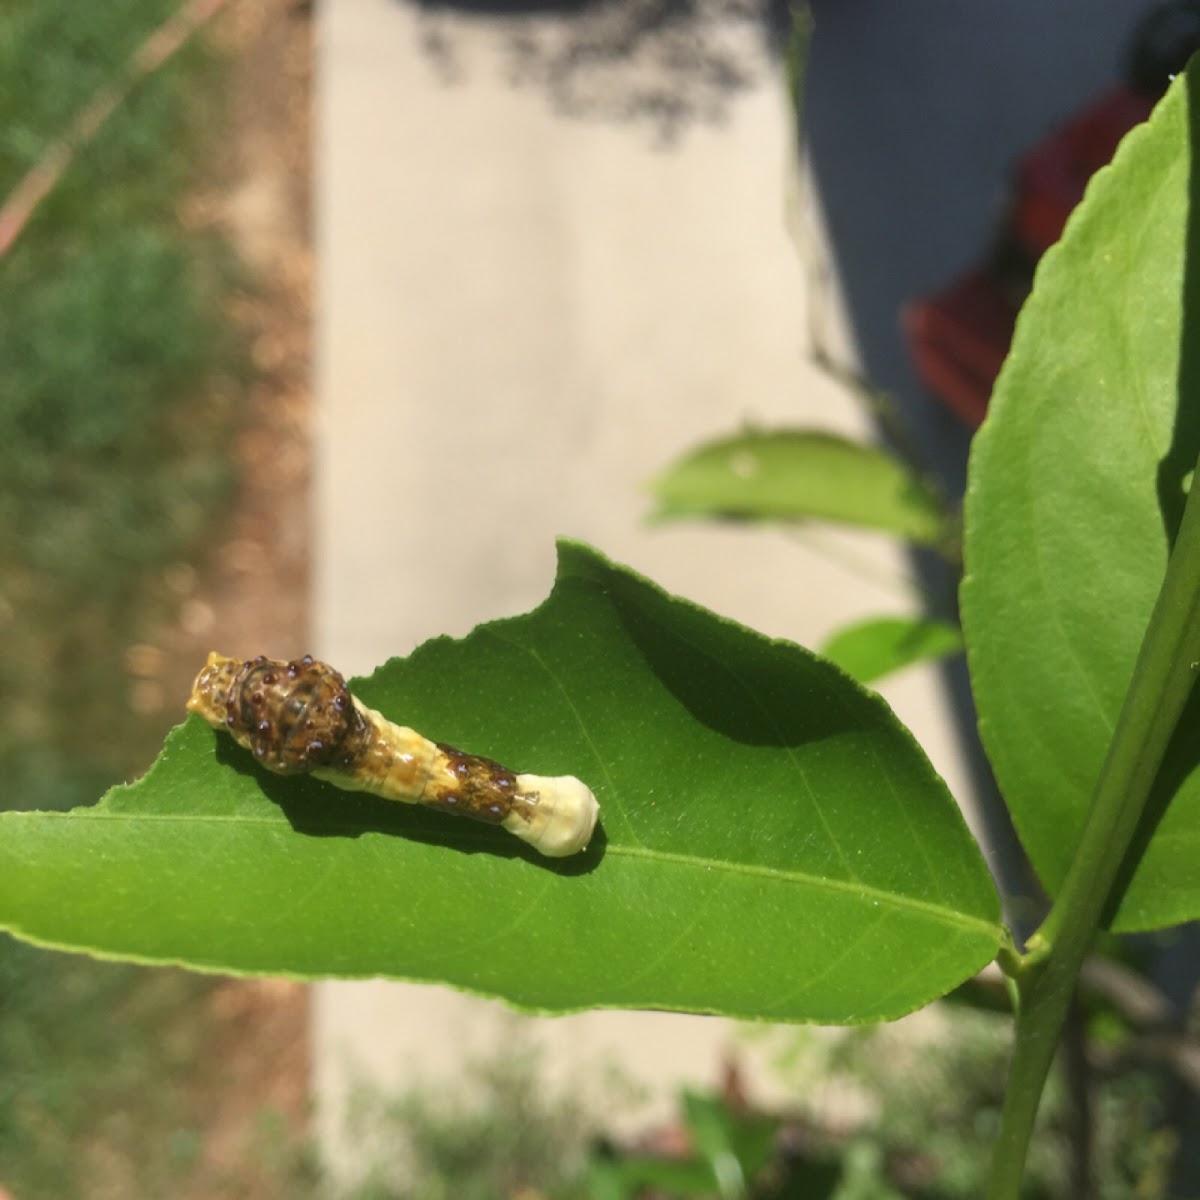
795 474
631 1174
605 1181
1076 488
736 1146
877 647
772 842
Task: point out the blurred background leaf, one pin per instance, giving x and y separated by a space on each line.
873 648
802 474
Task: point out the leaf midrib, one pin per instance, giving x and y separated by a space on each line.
938 912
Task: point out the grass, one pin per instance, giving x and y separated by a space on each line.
119 384
95 1067
497 1132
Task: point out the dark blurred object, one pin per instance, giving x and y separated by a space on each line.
958 339
959 336
1051 178
1161 44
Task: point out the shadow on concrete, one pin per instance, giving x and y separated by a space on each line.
506 8
661 64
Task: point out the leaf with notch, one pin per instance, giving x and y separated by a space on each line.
772 842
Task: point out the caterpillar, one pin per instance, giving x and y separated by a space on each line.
299 718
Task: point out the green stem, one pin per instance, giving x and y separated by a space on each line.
1162 680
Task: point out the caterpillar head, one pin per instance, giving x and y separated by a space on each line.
292 716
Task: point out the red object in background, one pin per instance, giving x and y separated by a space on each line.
959 336
1052 176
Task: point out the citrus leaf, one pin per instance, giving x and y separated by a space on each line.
1076 487
793 474
772 842
877 647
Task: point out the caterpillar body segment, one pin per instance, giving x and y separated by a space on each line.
299 718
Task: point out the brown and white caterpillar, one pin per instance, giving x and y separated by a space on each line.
299 717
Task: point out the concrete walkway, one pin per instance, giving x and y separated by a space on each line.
523 316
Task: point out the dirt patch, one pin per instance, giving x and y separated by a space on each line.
252 596
251 1094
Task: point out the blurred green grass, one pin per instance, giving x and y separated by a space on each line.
120 383
95 1090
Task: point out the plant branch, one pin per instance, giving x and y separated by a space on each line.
1079 1103
1163 677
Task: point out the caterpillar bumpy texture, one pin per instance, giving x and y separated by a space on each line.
299 717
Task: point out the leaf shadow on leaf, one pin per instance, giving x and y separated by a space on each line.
1176 466
317 809
757 705
1179 762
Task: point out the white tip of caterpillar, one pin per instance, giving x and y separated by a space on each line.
563 815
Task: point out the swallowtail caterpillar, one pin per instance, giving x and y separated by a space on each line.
299 717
